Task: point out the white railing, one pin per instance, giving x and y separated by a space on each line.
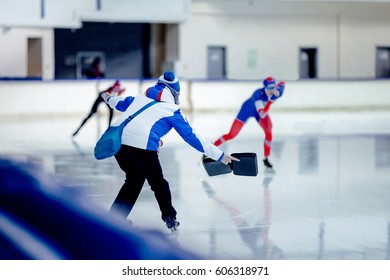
37 98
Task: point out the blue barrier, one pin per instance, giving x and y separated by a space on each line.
40 219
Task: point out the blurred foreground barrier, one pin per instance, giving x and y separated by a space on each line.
40 219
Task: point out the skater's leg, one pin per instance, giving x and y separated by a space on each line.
111 114
129 192
247 110
91 113
160 187
234 130
161 190
82 124
139 164
266 124
127 196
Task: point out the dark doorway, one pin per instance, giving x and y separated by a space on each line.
308 63
383 62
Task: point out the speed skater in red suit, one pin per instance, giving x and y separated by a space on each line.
257 106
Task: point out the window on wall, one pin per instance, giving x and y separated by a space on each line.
382 62
125 47
84 62
308 63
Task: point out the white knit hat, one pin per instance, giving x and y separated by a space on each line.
170 79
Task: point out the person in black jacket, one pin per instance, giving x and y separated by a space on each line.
115 88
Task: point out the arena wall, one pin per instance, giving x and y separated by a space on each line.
67 98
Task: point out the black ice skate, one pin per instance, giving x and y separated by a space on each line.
171 223
268 165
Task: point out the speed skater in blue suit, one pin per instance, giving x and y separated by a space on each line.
257 106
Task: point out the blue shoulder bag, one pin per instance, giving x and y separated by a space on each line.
111 140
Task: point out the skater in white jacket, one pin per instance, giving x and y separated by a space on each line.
138 156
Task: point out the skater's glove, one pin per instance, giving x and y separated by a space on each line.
226 159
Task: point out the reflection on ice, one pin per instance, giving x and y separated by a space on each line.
329 197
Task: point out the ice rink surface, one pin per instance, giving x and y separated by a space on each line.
329 198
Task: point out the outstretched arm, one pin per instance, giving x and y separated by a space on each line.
204 146
263 111
112 97
112 91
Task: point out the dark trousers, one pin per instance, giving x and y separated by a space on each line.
140 165
93 111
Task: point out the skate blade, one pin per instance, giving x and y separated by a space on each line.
175 228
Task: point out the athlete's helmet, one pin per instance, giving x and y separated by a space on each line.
269 83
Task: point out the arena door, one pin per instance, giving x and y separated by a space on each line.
308 63
216 62
382 62
34 58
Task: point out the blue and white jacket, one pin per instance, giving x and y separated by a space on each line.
146 129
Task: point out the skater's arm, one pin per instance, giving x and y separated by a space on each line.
204 146
122 105
262 106
263 112
118 102
281 86
263 109
260 100
267 106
